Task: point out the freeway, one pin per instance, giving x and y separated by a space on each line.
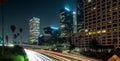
80 58
34 56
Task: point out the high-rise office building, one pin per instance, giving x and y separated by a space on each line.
50 30
77 39
102 21
34 29
80 15
74 23
66 22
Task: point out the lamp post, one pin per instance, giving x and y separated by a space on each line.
2 17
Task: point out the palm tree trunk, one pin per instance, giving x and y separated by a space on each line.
21 38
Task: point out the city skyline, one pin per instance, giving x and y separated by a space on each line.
60 30
19 12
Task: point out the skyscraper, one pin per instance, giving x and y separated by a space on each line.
102 21
80 15
52 31
34 29
77 39
66 22
74 23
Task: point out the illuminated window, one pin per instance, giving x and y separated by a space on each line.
89 1
103 31
90 33
86 30
98 24
94 8
115 8
98 31
62 26
109 22
115 29
94 32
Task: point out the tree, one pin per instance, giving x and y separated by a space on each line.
13 28
18 34
6 39
71 47
93 43
15 36
21 30
0 40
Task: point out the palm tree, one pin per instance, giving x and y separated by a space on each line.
21 30
6 39
93 44
13 28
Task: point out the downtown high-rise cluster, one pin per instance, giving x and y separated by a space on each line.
100 19
93 19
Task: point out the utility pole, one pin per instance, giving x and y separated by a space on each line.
2 16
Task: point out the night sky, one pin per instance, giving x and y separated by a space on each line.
19 12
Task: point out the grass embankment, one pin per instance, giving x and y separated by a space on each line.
15 53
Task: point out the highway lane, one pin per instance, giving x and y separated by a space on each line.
83 58
34 56
55 56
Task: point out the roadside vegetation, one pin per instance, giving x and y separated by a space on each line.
13 53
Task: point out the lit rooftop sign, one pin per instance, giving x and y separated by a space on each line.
74 12
56 28
66 8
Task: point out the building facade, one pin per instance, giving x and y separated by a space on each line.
77 39
74 23
66 22
102 21
80 15
50 30
34 29
50 35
